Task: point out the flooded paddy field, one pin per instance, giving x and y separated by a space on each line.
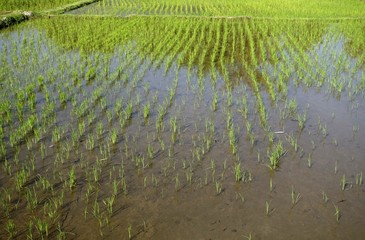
182 128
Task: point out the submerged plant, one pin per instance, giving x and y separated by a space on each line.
72 178
295 197
324 197
269 210
177 182
343 182
337 212
271 185
309 160
129 231
359 179
240 196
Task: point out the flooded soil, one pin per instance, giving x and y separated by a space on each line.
190 129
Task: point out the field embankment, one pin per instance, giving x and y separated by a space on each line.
12 18
69 7
9 17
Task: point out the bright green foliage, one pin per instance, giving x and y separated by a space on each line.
32 4
250 8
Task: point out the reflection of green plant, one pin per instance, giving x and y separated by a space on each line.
150 151
271 185
177 182
359 179
240 196
309 160
292 107
324 197
301 120
72 178
215 101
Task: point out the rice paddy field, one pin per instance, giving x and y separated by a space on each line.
32 4
195 120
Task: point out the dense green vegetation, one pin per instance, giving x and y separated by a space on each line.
229 8
8 5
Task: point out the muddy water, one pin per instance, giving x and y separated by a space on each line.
185 187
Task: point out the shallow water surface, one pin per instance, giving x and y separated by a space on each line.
149 128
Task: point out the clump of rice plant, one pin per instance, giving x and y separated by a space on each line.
10 228
146 110
295 197
276 153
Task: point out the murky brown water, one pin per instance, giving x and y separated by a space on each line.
181 184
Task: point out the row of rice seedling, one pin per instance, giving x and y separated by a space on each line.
250 8
111 114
